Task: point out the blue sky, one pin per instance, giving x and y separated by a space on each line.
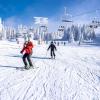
23 11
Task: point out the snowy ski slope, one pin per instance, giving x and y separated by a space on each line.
74 75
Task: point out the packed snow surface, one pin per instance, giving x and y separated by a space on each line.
73 75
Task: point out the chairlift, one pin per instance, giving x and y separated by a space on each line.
43 26
64 20
93 26
60 29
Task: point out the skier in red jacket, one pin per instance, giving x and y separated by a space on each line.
27 50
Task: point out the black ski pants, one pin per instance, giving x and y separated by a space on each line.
52 54
27 57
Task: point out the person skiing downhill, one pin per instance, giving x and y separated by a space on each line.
27 50
52 48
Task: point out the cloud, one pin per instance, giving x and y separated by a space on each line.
12 21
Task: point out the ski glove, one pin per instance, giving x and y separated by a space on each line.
21 52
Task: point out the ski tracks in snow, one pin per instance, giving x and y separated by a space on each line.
68 77
80 72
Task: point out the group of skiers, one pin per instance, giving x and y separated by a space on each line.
27 52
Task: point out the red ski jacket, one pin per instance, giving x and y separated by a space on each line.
27 48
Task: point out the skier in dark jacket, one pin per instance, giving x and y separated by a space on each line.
52 48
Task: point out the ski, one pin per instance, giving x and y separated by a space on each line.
23 69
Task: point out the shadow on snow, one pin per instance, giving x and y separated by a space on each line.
8 66
35 57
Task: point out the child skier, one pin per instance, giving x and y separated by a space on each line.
27 48
52 48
